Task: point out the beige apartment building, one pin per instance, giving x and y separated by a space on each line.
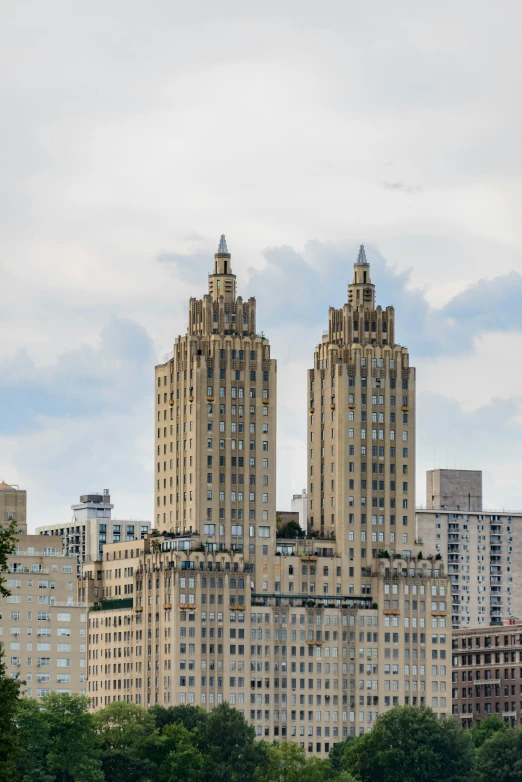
310 639
43 628
13 506
480 548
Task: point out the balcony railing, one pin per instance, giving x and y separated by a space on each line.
313 600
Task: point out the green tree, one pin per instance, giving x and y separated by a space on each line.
337 751
291 529
122 765
9 688
318 770
175 752
189 716
8 539
229 745
283 763
487 728
184 762
408 744
122 725
9 699
499 759
121 730
71 756
34 742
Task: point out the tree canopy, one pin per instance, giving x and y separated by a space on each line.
57 739
408 744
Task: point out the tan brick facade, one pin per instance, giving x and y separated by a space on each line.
43 627
361 432
310 639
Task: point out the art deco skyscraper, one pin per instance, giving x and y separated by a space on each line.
216 424
361 434
311 639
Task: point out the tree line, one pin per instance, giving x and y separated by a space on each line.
57 739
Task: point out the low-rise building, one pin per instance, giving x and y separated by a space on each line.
487 673
43 627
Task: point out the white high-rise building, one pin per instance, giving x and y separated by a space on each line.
91 527
480 547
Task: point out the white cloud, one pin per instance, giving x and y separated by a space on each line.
137 132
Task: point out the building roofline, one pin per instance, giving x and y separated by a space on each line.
482 511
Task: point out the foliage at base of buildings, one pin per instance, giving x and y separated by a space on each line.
59 740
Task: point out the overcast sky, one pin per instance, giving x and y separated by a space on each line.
133 134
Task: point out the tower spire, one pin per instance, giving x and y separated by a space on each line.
222 248
361 258
222 282
361 291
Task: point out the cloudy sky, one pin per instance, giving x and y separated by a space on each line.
133 134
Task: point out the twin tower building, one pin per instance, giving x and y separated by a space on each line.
310 638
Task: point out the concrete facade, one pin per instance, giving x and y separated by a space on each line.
454 490
310 639
480 550
92 527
